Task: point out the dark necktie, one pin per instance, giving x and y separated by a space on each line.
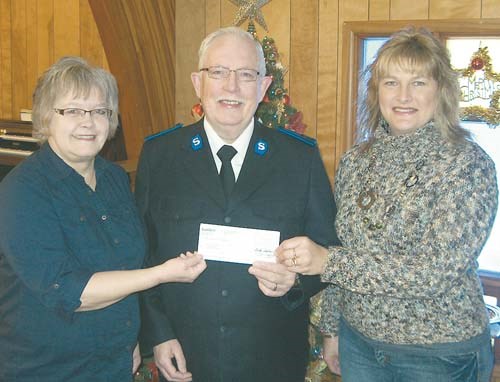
226 153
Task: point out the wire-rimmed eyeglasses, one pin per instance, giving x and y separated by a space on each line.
74 112
221 72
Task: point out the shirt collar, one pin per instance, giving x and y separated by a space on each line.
240 144
61 168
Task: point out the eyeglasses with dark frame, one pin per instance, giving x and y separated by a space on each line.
221 72
74 112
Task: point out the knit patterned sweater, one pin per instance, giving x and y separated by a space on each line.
414 212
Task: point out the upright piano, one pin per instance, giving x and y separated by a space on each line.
16 143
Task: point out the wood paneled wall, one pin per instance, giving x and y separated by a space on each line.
152 49
33 35
137 46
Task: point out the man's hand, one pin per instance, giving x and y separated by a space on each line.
164 354
275 280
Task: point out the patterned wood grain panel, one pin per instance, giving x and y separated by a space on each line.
45 34
5 60
33 35
490 9
31 50
91 46
303 74
354 10
19 58
166 16
379 10
213 12
66 28
454 9
400 10
188 36
328 66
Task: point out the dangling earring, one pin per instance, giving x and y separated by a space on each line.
384 124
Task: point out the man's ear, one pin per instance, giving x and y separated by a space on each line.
265 82
196 80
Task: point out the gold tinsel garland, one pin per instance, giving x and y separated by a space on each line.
481 61
490 115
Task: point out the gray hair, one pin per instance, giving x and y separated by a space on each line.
415 51
71 75
237 32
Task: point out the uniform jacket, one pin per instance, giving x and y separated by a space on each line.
228 329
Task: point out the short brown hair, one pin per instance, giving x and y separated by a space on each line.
71 75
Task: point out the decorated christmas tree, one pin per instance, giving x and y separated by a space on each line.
275 110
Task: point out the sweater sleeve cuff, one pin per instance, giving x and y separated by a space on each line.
331 267
329 311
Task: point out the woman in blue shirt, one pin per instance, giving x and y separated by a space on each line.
71 242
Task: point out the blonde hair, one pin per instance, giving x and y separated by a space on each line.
413 51
71 75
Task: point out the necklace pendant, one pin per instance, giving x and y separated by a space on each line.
365 199
411 180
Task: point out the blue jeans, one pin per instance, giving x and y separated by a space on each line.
366 360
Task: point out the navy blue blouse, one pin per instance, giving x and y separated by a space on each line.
55 232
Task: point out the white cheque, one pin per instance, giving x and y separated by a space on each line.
237 245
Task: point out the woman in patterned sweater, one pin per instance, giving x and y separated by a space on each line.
416 201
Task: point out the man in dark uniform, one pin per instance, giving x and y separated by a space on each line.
235 323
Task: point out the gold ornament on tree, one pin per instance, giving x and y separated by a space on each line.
280 110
